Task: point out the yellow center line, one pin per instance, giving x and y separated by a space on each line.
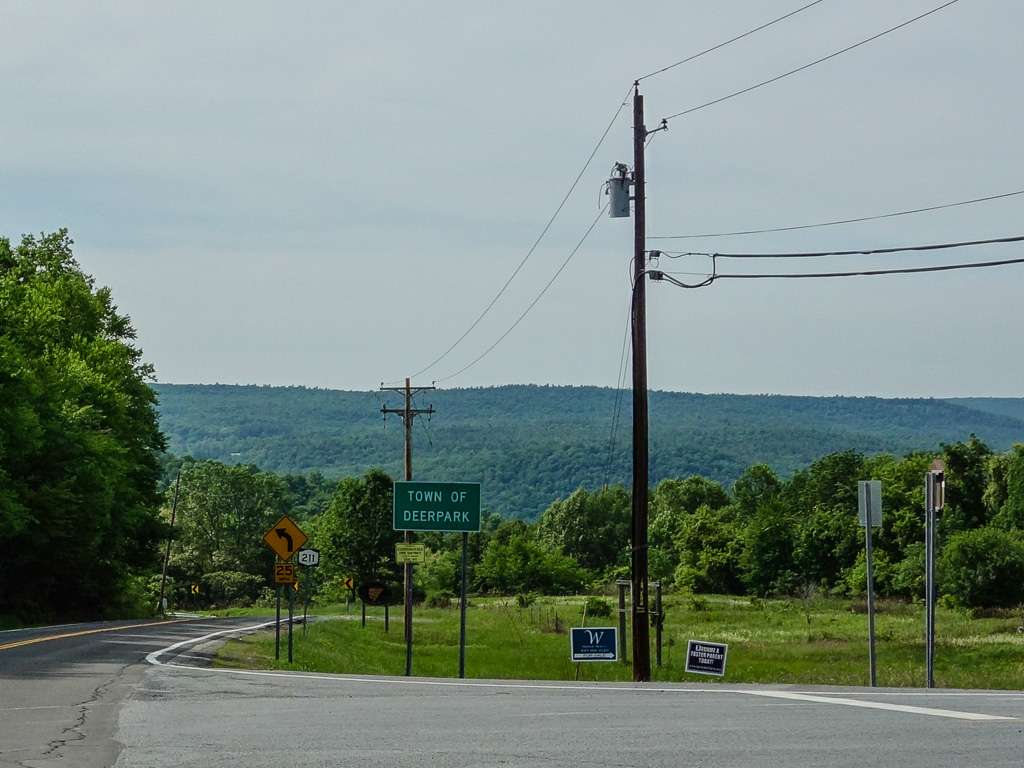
31 641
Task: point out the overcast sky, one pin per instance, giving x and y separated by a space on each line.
328 193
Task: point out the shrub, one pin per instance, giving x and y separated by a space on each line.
526 599
597 607
983 567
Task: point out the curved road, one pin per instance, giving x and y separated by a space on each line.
86 695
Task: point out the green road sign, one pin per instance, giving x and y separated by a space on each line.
448 507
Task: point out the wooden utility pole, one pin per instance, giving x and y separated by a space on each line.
408 413
641 622
167 552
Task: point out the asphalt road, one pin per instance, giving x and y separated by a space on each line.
93 700
62 688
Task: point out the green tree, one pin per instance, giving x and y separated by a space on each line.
79 442
1007 474
355 533
516 561
223 512
592 527
983 567
967 475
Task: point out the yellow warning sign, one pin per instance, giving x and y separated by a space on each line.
285 538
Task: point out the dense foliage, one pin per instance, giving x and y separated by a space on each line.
530 444
79 442
765 536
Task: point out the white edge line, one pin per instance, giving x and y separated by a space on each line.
820 698
878 705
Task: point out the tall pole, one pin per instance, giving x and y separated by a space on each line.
927 580
407 419
868 557
408 413
641 623
170 536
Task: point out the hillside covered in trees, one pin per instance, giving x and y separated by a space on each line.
531 444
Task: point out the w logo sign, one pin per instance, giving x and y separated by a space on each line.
593 644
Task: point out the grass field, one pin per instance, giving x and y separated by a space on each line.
770 641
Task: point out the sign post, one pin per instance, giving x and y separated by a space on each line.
444 508
462 609
934 500
285 538
869 502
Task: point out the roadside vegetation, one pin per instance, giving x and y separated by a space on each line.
816 641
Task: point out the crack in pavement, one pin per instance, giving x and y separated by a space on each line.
76 731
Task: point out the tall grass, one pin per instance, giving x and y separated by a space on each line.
770 641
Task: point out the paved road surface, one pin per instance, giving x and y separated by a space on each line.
178 713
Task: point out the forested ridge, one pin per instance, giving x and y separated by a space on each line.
530 444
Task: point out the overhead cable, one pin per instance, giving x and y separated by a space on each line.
838 221
858 273
533 303
572 187
729 41
858 252
775 79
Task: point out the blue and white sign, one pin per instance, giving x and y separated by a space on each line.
704 658
593 644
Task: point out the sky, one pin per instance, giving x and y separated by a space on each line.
329 194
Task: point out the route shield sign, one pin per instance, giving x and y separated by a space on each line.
308 557
593 644
285 538
704 658
445 507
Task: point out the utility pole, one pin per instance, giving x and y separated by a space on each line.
170 537
408 413
641 622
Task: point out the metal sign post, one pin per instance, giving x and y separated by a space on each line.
622 584
934 500
462 610
290 623
869 498
277 627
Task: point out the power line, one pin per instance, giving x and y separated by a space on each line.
860 273
622 103
839 221
728 42
860 252
533 303
619 384
810 64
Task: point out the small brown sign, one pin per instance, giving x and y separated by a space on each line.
375 593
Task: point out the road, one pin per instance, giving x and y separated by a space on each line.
94 700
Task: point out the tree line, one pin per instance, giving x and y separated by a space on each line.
765 536
87 490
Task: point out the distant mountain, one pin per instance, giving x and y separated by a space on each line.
1001 406
530 444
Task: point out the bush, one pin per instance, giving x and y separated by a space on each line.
983 567
439 600
597 607
526 599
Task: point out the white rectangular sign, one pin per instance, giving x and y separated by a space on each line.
869 492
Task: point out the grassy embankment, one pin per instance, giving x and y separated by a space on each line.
770 641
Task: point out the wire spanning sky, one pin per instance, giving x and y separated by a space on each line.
330 196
